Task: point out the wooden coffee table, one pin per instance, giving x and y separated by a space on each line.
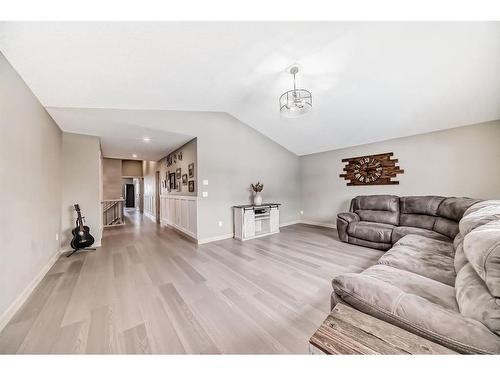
349 331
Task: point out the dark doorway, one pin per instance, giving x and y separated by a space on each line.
129 195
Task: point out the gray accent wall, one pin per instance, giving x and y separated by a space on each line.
131 168
112 178
30 198
462 161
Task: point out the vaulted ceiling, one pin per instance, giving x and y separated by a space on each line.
370 80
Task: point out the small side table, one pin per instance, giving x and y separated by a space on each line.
349 331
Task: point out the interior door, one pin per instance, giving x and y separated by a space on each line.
129 195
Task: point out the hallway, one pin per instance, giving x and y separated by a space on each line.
150 290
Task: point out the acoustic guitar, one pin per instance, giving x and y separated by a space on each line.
82 238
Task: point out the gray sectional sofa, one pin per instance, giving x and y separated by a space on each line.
446 289
379 221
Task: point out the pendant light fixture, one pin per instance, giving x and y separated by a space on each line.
296 102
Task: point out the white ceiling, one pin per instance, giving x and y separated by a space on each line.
370 81
126 142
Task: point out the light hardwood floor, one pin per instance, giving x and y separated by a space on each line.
149 290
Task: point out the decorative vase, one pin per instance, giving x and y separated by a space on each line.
257 199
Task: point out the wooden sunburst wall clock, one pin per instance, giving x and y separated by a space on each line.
377 169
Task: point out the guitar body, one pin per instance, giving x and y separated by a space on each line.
81 234
81 238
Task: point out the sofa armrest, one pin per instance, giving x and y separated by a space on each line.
343 220
348 216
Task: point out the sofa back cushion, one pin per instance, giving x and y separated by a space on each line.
377 208
482 250
450 212
418 211
479 214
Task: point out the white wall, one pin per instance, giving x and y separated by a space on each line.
81 184
30 192
462 161
149 169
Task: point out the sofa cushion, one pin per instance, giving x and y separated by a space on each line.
482 250
376 202
479 214
454 208
428 262
377 208
375 232
428 244
400 232
475 300
425 205
384 217
417 220
445 226
409 282
388 301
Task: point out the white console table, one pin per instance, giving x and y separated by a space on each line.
256 221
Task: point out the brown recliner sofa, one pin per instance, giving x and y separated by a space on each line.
447 292
379 221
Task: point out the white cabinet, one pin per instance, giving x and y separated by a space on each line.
179 212
256 221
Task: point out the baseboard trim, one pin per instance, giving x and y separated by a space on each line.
21 299
289 223
202 241
318 224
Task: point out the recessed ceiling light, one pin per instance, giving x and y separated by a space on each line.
134 155
146 139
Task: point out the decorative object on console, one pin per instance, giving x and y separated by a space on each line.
297 102
184 179
191 170
257 198
191 187
178 173
371 170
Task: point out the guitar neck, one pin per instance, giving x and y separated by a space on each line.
80 220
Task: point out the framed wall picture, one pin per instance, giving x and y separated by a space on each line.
184 179
178 186
191 187
172 181
191 170
178 173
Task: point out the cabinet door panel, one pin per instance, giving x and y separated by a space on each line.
249 224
